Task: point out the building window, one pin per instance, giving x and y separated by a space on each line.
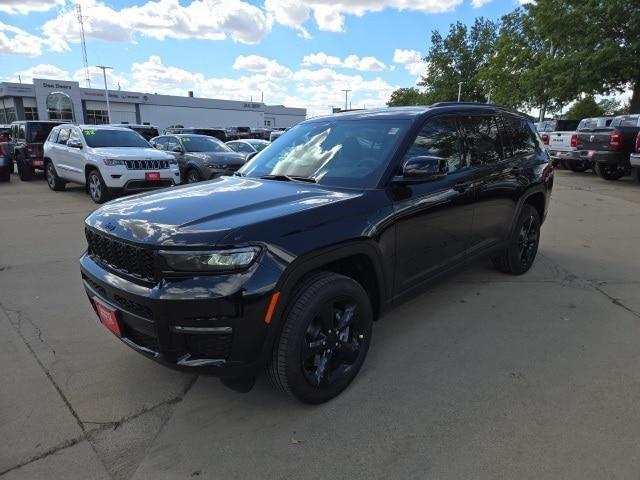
30 113
97 117
9 115
268 122
59 106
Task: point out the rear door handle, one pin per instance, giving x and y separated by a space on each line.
462 186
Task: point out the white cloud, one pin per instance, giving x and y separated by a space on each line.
481 3
114 79
15 41
161 19
258 64
23 7
364 64
42 70
411 60
330 14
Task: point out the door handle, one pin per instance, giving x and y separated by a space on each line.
462 186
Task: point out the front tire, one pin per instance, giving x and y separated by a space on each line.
523 245
53 180
609 172
325 338
98 190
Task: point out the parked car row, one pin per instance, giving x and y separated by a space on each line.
608 145
225 133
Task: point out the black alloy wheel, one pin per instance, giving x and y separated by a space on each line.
332 343
324 340
522 249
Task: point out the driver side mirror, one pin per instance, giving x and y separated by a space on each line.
177 149
422 169
74 143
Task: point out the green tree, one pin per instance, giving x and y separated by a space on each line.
406 97
585 108
458 58
596 45
521 71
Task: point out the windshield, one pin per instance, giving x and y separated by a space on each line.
203 144
147 132
258 145
38 132
103 138
349 153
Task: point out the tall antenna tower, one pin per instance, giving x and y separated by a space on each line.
87 77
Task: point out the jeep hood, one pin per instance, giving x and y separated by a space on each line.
131 153
205 213
219 158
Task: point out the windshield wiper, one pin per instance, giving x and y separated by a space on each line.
290 178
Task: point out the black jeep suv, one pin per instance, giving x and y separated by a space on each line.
286 264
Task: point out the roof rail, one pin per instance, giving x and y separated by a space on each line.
446 104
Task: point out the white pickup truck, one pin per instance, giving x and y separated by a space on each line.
560 137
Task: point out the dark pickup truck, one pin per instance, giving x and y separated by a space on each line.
610 148
25 148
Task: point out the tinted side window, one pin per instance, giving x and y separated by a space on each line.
21 132
160 143
521 136
439 138
63 136
74 135
482 140
172 142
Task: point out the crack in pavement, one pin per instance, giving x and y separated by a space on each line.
593 284
88 434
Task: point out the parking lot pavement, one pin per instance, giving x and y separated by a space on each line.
483 376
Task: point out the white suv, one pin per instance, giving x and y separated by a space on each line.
106 159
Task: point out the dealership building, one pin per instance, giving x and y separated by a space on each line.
64 100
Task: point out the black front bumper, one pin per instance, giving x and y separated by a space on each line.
209 324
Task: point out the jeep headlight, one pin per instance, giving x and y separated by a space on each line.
211 261
112 162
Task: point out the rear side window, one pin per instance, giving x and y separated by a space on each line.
482 140
625 122
521 136
21 132
63 136
439 138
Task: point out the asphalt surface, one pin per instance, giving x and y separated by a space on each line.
483 376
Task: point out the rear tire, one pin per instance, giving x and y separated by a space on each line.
609 172
523 245
53 180
25 171
98 190
578 166
193 176
324 340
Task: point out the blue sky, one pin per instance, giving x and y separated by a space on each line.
296 52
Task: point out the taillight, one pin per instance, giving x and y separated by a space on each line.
615 140
545 138
574 140
638 143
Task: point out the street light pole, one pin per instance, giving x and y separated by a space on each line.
106 90
460 90
346 99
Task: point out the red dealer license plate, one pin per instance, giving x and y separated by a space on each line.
108 317
37 163
152 176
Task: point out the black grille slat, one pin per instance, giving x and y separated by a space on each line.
146 164
129 259
209 346
141 339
